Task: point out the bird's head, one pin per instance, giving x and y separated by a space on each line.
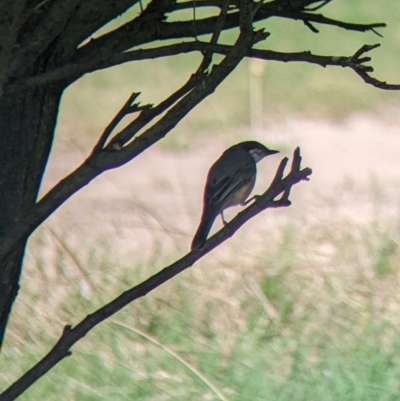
257 150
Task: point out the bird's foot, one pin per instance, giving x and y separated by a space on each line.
224 222
253 198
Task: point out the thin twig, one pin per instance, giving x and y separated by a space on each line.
125 109
150 113
321 19
318 7
214 39
312 28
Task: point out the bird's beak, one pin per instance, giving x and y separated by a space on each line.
272 152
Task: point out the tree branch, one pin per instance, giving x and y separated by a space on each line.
77 20
71 335
281 4
355 62
308 17
99 53
119 40
125 135
127 108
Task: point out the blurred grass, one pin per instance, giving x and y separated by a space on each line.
312 316
291 88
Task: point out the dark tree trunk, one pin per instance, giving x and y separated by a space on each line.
27 122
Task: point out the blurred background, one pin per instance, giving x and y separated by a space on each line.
301 304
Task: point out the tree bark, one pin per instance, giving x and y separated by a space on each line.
27 122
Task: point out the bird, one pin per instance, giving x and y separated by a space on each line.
229 182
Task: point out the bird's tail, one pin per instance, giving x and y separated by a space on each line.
201 234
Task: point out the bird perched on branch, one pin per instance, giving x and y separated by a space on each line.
229 182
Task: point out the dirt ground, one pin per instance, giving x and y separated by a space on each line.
356 170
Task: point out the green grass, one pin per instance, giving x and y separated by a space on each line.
312 316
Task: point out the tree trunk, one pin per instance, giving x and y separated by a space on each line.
27 122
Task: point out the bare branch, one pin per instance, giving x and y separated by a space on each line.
73 71
318 7
291 9
185 5
151 113
107 50
127 108
321 19
355 62
132 33
78 19
282 4
71 335
312 28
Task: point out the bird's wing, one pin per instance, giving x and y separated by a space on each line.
226 178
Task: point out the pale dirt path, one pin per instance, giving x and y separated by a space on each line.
356 165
